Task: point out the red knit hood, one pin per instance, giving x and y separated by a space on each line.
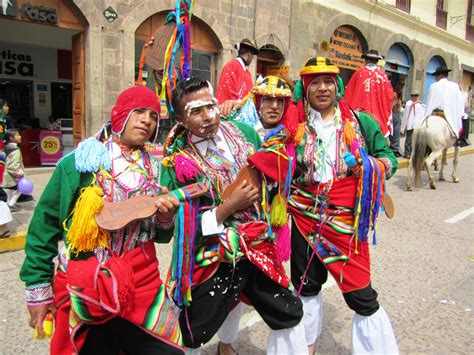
133 98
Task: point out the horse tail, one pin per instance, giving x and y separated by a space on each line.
420 149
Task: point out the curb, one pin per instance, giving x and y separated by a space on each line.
403 163
16 241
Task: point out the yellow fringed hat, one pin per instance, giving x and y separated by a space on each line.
272 86
318 65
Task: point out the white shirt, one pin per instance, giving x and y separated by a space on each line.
447 96
262 132
413 115
326 131
127 175
241 61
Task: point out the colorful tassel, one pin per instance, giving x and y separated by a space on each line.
90 155
368 198
186 169
298 91
180 39
299 133
84 234
278 211
182 261
283 243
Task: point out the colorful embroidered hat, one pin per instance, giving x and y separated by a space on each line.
271 86
320 66
133 98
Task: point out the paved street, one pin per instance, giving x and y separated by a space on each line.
423 269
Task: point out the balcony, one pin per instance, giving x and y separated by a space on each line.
441 18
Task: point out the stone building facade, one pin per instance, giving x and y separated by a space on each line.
287 31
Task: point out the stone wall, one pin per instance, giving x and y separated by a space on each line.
299 25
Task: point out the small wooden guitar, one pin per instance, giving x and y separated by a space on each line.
116 215
248 173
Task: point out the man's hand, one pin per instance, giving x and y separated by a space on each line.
166 206
228 106
242 197
37 314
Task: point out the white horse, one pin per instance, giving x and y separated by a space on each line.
432 138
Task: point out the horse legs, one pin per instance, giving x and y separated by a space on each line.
443 163
455 164
428 161
410 175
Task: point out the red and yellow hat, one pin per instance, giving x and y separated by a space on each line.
315 66
271 86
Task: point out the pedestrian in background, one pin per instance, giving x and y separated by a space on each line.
396 113
4 110
370 90
5 218
14 168
235 81
412 117
464 140
445 99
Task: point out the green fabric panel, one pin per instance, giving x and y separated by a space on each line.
376 142
249 133
46 230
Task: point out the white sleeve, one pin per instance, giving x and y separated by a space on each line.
209 224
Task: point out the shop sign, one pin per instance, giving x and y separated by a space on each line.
345 49
8 8
39 13
50 147
12 63
110 14
280 71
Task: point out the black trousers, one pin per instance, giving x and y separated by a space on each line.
118 335
363 301
212 301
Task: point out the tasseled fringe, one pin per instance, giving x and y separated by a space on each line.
182 262
90 155
299 133
349 133
84 234
278 211
368 198
283 243
298 91
186 169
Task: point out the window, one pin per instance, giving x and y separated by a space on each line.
441 13
403 5
470 21
470 13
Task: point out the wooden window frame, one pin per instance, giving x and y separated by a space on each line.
403 5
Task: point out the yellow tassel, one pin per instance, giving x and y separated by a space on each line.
299 134
168 162
278 211
84 234
349 133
